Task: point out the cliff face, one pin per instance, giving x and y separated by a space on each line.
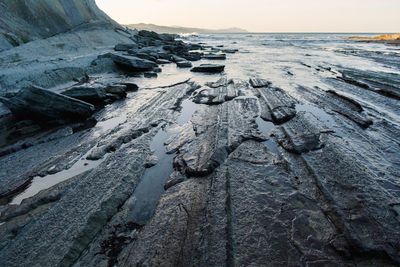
22 21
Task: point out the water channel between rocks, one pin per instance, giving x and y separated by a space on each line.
151 187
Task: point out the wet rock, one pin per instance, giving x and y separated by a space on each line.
301 134
349 108
38 104
133 63
175 58
184 64
217 93
119 90
276 105
214 56
151 161
125 47
163 61
230 51
174 179
214 142
210 68
259 83
130 87
150 75
95 94
143 55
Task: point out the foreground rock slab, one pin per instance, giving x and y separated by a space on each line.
211 68
38 103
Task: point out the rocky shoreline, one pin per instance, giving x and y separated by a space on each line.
103 163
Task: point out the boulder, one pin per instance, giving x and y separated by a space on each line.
150 74
184 64
39 104
259 83
92 93
211 68
133 63
163 61
215 56
175 58
125 47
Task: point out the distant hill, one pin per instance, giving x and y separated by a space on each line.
177 29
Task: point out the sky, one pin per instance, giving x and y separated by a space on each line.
376 16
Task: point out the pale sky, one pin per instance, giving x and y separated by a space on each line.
261 15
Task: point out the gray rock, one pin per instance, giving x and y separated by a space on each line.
176 59
93 93
133 63
150 75
151 161
163 61
174 179
125 47
276 105
38 103
259 83
184 64
210 68
218 92
214 56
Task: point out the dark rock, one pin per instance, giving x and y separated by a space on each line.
218 92
230 51
92 93
211 68
39 104
174 179
150 75
184 64
151 161
301 134
130 87
157 70
142 55
193 56
125 47
163 61
175 58
258 83
276 105
214 56
133 63
119 90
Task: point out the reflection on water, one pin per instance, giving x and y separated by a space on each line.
40 183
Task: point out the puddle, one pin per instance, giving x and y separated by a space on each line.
188 108
322 116
266 127
40 183
151 187
104 126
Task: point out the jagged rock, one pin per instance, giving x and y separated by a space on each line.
125 47
214 140
93 93
301 134
142 55
151 161
349 108
230 51
130 87
150 75
276 105
214 56
217 93
259 83
176 59
174 179
38 104
133 63
184 64
211 68
163 61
